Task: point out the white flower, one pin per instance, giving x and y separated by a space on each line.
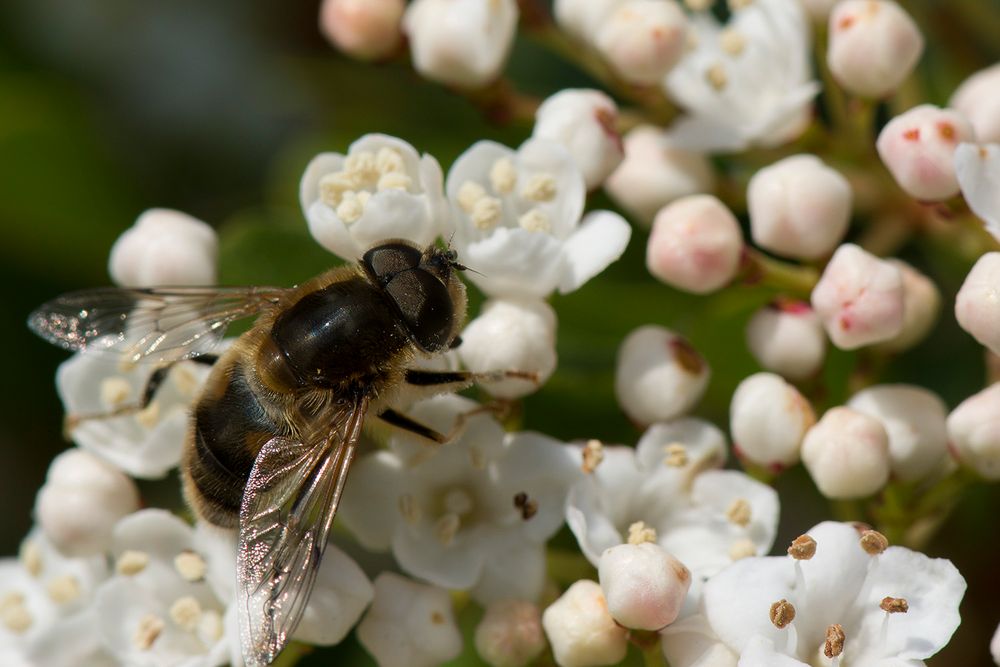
584 122
787 337
146 443
518 220
460 42
381 189
580 629
847 454
510 633
470 515
977 305
921 306
409 624
978 172
844 584
642 39
748 83
978 99
365 29
768 419
706 518
165 247
974 432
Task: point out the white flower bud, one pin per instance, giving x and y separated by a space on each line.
580 629
584 122
460 42
81 501
978 99
768 419
787 338
510 634
164 247
974 432
859 298
977 306
874 45
918 148
643 40
799 207
921 305
654 173
659 375
914 420
995 646
364 29
818 10
583 18
695 244
511 334
847 454
644 585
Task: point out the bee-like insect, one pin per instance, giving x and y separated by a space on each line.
276 426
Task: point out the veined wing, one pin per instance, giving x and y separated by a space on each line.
155 324
288 507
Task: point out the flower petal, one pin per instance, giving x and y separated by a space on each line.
760 652
514 569
600 240
318 167
515 262
978 171
341 594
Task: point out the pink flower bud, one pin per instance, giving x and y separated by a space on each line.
580 629
799 207
977 306
164 247
914 420
787 338
978 99
644 585
364 29
510 634
659 375
847 454
584 122
695 244
918 148
768 419
874 45
974 432
643 40
921 306
654 173
859 298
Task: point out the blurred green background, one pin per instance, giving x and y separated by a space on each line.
110 107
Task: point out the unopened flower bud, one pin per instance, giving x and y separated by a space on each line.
847 454
977 306
580 629
695 244
921 306
995 646
974 432
874 45
364 29
654 173
643 40
768 419
914 420
644 585
859 298
460 42
787 338
511 334
583 18
918 148
164 247
510 634
584 122
659 375
799 207
81 501
978 99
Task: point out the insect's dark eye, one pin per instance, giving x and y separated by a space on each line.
385 261
426 306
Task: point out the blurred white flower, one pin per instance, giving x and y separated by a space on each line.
768 419
165 247
518 224
978 172
382 189
787 337
469 515
580 629
978 99
995 646
974 432
460 42
843 599
510 633
409 624
364 29
642 39
847 454
977 305
584 122
748 83
921 307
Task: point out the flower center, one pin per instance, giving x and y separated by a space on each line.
349 190
14 613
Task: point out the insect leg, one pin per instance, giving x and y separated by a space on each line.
455 380
411 425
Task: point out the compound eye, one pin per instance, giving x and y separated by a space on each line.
385 261
426 307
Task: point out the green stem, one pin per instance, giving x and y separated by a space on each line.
294 652
652 655
566 567
793 279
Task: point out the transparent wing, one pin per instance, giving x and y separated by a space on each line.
156 324
288 507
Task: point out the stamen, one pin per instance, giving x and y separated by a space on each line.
63 589
593 454
149 416
699 5
184 379
741 549
190 566
409 508
14 613
676 455
874 542
782 613
350 209
333 186
115 391
739 513
149 629
446 528
736 5
835 638
486 213
210 627
394 180
716 76
132 562
535 221
469 194
732 41
185 612
640 533
540 188
802 547
30 555
503 176
528 507
389 160
892 605
362 167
